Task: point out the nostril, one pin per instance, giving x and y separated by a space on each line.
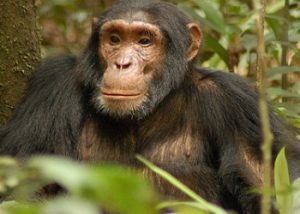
127 65
123 66
118 65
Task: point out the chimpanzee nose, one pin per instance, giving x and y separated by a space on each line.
123 62
123 65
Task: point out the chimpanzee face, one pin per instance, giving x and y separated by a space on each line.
132 52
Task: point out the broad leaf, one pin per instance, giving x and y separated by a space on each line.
281 70
216 47
212 14
171 179
282 93
282 184
296 197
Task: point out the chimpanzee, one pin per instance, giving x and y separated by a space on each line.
135 90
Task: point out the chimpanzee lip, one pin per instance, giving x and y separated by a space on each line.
121 95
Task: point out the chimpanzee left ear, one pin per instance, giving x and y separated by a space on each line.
95 23
196 37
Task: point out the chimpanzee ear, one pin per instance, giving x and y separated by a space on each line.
94 23
196 37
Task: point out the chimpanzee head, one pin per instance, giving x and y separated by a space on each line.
139 51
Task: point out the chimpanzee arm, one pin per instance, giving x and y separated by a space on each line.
237 135
48 118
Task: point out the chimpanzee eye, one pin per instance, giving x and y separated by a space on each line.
115 39
145 41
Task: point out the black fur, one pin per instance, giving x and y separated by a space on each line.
196 126
49 114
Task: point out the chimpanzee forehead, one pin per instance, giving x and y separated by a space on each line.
135 16
131 26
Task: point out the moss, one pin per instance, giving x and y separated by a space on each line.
19 51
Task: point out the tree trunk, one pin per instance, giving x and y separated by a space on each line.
107 3
19 51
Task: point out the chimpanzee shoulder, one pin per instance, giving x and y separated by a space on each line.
236 109
52 99
234 101
224 79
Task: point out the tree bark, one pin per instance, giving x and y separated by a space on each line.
107 3
19 51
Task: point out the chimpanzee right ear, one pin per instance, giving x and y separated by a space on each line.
95 23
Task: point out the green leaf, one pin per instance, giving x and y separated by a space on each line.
18 208
114 188
214 45
281 70
282 184
296 87
171 179
183 207
188 10
8 161
67 205
67 173
276 25
120 190
296 123
296 197
293 107
212 14
282 93
275 6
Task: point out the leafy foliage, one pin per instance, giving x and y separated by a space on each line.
229 44
89 187
92 188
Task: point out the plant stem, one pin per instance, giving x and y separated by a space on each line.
285 41
263 106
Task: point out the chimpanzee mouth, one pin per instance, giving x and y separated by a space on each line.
121 95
